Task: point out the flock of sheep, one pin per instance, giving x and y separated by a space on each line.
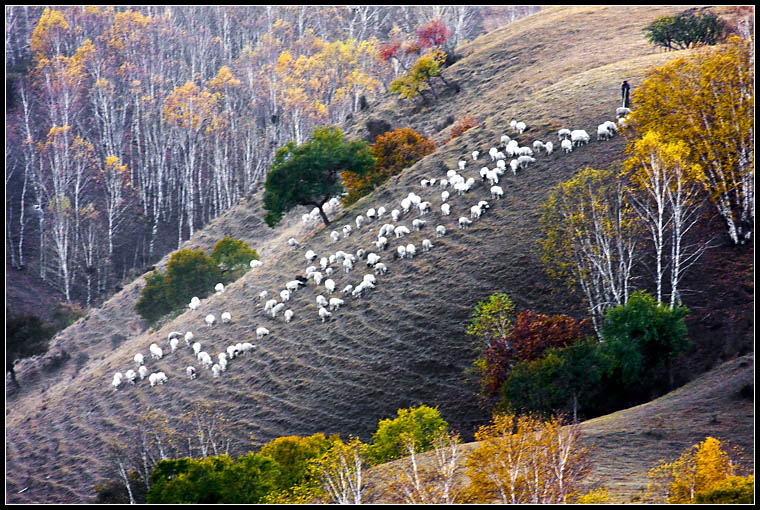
331 265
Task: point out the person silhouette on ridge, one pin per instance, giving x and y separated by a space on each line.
625 91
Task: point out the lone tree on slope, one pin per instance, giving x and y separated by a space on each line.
309 174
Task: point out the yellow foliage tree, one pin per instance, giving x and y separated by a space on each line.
699 469
707 101
47 37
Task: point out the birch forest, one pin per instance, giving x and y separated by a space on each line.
129 128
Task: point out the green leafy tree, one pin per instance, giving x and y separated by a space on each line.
309 174
153 303
735 490
643 335
216 479
294 455
491 325
190 273
685 30
420 424
427 67
233 254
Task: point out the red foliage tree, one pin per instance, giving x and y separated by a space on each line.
433 34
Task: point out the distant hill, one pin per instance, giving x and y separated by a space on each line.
403 343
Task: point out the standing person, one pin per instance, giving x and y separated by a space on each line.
625 90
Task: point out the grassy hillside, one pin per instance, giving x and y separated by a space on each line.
400 345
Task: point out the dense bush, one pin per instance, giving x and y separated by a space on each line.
294 456
420 424
393 152
685 30
467 122
25 336
737 490
233 255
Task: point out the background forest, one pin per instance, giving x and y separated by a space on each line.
128 129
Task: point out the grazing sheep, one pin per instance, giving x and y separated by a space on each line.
288 315
269 305
563 134
395 214
189 338
520 127
567 146
139 360
371 214
444 183
524 151
475 212
277 308
381 243
425 183
380 212
524 161
538 145
514 164
346 231
335 303
623 121
445 209
426 245
210 320
549 148
335 236
424 207
173 343
349 288
156 352
380 268
464 222
400 231
406 204
255 263
359 221
505 139
205 359
348 265
492 152
219 288
324 314
246 347
216 370
293 243
372 259
418 224
130 375
578 137
262 295
157 378
116 380
622 111
310 256
194 303
226 318
285 295
321 300
190 371
411 251
444 196
606 130
440 231
232 352
142 372
496 192
292 286
196 348
401 252
475 155
330 286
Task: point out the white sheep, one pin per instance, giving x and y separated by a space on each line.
395 214
380 212
514 165
464 222
622 111
255 263
232 351
216 370
317 277
411 251
194 303
346 231
567 146
348 265
156 352
496 192
524 161
219 288
349 288
372 259
293 243
323 262
157 378
440 231
578 137
475 212
381 242
445 209
549 148
424 207
380 268
142 372
205 359
524 151
269 305
425 183
117 377
310 256
261 332
330 286
292 286
173 343
623 121
288 315
444 196
501 165
196 348
139 360
401 252
538 145
285 295
226 317
190 371
130 375
247 347
418 224
505 140
189 338
359 221
371 214
360 253
475 155
210 320
520 127
335 303
321 300
443 183
262 295
400 231
277 308
606 130
324 314
334 236
563 134
426 245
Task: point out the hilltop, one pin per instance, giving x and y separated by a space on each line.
402 344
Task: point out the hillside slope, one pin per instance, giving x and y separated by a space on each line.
625 445
400 345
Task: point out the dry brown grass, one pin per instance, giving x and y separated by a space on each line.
402 344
